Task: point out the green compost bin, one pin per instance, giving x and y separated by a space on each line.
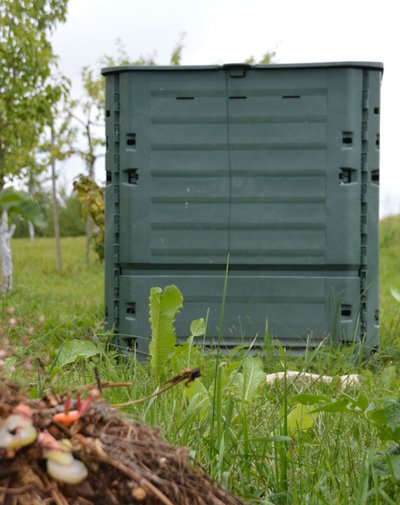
275 167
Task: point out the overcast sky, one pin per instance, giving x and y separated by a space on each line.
226 31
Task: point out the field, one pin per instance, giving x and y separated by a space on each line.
285 444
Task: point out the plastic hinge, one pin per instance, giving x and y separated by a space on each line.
364 161
363 193
365 131
116 132
365 99
116 162
116 102
116 193
116 223
116 253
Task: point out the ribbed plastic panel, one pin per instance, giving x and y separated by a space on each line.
276 167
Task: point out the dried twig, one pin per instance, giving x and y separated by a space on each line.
187 374
105 384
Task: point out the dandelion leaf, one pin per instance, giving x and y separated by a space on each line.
164 306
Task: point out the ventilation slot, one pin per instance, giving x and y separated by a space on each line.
133 176
108 177
108 113
376 110
347 138
131 139
130 344
291 97
347 175
185 97
237 97
375 176
377 140
131 310
376 317
345 311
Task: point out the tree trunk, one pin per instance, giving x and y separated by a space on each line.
6 254
55 208
88 237
89 222
31 230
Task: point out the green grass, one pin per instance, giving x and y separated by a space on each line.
389 278
244 442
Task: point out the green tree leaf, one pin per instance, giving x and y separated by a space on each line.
22 204
198 327
249 380
392 411
300 419
387 465
74 350
336 405
309 399
164 305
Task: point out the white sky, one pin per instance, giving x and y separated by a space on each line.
226 31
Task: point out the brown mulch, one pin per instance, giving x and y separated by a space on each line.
128 463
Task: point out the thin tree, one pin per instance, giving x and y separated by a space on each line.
57 147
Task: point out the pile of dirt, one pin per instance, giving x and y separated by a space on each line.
126 462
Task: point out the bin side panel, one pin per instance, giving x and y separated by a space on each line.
298 310
176 210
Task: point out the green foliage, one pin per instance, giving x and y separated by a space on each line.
72 224
58 142
75 350
249 380
176 55
27 90
300 419
91 198
385 419
266 59
198 327
389 273
164 304
21 204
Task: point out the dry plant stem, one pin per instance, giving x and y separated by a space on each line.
187 375
141 400
105 384
98 380
98 453
58 497
16 490
141 481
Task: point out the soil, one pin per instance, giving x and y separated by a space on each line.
128 463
